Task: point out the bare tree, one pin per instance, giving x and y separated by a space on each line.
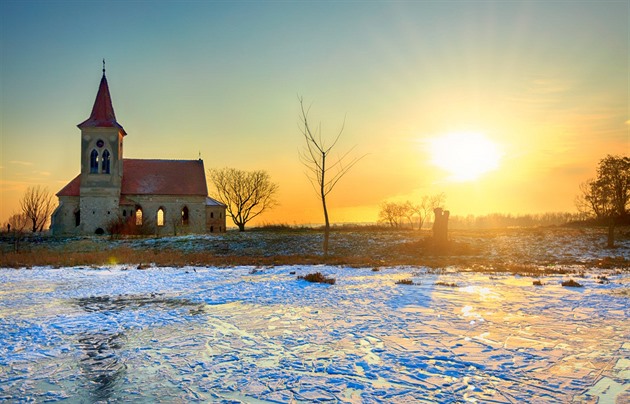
15 225
408 211
17 222
37 204
393 213
424 209
607 197
396 213
247 194
322 173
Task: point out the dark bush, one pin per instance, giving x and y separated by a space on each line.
537 282
404 282
317 277
571 284
602 280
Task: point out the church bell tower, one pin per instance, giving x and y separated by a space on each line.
101 163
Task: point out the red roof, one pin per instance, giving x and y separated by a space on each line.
164 177
155 177
72 189
102 115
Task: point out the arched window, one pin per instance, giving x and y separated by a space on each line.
185 216
160 217
138 216
94 162
105 164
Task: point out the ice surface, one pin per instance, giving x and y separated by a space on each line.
232 335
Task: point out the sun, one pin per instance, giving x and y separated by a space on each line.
465 155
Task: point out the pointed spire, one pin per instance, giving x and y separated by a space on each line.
102 115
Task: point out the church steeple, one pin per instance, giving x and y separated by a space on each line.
102 115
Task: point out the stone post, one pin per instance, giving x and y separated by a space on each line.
440 226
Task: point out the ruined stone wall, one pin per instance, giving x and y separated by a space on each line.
172 207
63 221
215 219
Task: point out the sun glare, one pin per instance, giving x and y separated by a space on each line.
466 156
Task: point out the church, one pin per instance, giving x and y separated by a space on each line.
115 194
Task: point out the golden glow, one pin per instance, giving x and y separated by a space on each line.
465 156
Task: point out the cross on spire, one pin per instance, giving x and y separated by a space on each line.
103 66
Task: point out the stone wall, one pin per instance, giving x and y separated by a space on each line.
215 219
98 207
172 207
63 218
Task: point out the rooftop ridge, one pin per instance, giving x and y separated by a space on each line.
171 160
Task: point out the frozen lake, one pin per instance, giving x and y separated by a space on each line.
249 334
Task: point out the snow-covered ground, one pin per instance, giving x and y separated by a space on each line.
249 334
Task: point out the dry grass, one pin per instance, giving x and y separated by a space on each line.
129 256
499 251
450 285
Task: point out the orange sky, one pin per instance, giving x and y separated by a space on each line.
545 82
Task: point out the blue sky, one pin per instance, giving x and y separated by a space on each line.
546 81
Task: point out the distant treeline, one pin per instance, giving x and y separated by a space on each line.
499 220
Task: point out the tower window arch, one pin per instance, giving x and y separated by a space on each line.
106 162
94 162
185 219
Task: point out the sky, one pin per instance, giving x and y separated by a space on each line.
536 92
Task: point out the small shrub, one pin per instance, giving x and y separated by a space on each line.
126 226
451 285
537 282
404 282
571 284
317 277
376 269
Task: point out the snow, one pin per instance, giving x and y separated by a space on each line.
248 334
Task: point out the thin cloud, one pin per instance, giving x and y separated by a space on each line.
42 173
21 163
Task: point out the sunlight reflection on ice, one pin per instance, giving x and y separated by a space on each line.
175 335
483 292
